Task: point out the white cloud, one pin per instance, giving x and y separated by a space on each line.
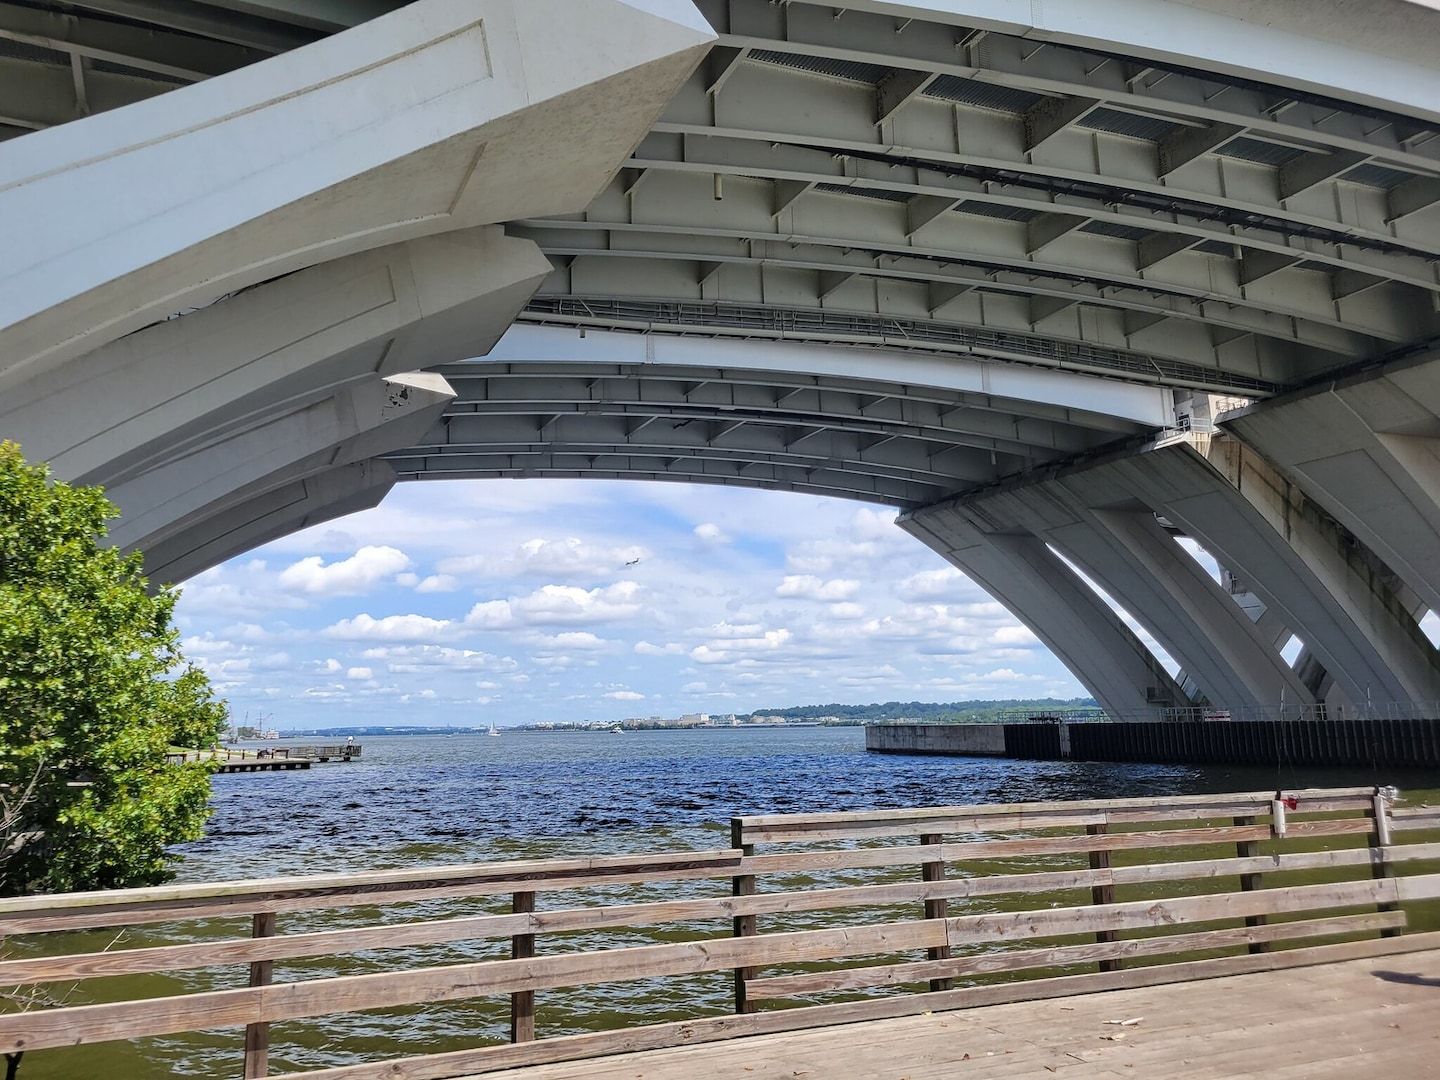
670 648
360 673
947 582
559 604
411 659
625 695
438 583
582 640
710 533
567 558
810 587
1014 635
734 650
365 627
846 611
358 574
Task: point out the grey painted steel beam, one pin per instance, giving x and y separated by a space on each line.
1006 60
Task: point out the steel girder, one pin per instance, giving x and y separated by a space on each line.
887 443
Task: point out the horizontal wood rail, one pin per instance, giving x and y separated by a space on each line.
989 891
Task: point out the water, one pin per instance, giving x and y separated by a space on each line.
437 799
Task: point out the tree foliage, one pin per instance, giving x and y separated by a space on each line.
93 693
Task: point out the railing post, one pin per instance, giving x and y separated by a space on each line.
522 947
935 909
743 925
1246 849
257 1036
1102 894
1380 867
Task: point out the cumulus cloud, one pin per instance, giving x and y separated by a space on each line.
365 627
411 659
625 695
1015 635
810 587
710 533
670 648
362 571
737 650
582 640
437 583
570 557
360 673
559 604
934 585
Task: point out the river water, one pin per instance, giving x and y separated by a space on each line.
439 799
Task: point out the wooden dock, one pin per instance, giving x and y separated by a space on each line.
1377 1018
1184 910
269 759
246 765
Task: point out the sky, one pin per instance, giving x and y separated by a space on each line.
519 601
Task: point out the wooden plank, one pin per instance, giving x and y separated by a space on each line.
400 935
1142 810
136 913
522 947
86 1024
257 1036
1103 892
323 889
742 925
935 908
859 858
1175 911
1258 799
1248 849
784 986
695 1032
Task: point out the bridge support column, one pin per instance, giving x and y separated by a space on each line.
1023 574
1327 589
1366 449
1120 545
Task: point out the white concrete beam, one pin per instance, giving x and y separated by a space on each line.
289 508
130 406
360 421
476 111
1082 394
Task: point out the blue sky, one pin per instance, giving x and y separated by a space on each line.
462 602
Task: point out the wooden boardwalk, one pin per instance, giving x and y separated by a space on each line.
1377 1018
1185 910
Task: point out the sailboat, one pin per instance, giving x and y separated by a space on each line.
492 732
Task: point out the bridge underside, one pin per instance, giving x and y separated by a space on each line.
1000 273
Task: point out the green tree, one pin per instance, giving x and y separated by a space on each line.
93 693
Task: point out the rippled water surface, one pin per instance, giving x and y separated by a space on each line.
413 800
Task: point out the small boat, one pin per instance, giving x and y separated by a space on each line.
492 732
617 730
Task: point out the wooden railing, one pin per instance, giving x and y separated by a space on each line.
1078 893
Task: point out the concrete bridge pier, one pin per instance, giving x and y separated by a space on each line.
1036 586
